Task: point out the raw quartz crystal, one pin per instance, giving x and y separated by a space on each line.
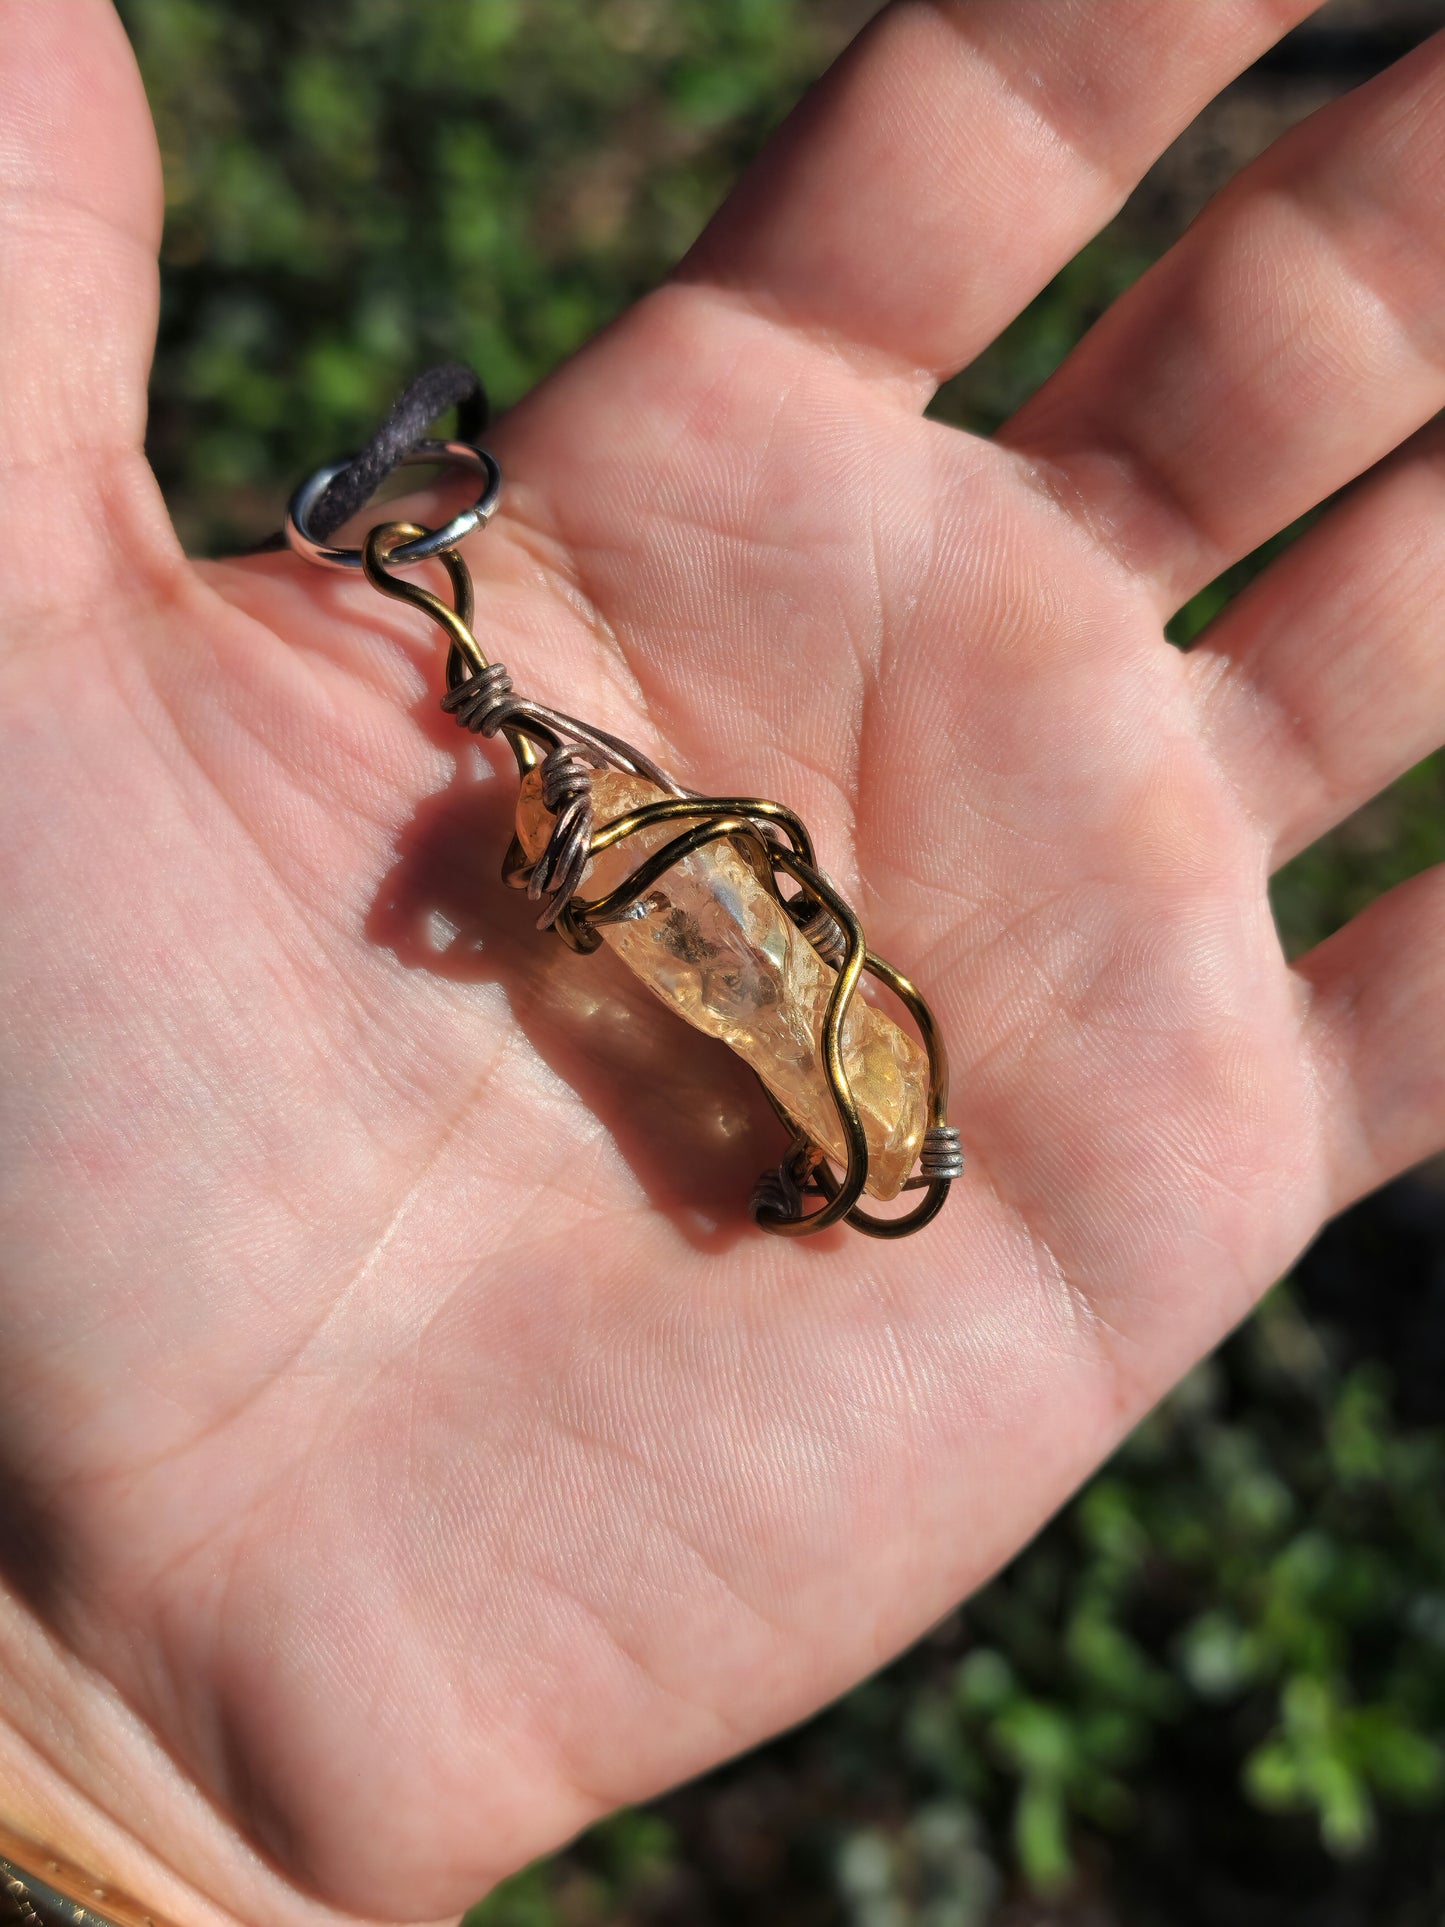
719 949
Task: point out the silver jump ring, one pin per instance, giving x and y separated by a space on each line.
420 548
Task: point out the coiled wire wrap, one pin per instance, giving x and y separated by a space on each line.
942 1153
485 701
567 797
821 930
777 1193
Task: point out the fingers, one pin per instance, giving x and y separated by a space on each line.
80 213
1292 338
958 155
1325 680
1377 989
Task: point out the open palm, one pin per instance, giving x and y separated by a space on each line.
410 1448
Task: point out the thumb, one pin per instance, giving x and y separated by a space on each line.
80 219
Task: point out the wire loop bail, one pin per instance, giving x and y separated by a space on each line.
426 543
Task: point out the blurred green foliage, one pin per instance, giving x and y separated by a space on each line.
1214 1689
356 190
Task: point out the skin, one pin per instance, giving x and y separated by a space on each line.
410 1451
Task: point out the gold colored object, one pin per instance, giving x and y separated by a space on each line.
711 938
702 919
42 1888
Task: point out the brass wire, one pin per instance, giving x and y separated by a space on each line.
466 655
457 622
667 809
842 1200
935 1190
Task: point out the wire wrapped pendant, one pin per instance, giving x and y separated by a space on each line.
717 903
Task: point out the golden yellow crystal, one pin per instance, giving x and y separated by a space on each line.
719 949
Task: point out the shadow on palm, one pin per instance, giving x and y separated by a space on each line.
680 1108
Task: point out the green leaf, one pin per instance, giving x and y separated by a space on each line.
1039 1738
1041 1836
984 1681
1217 1655
1272 1777
1347 1815
1397 1759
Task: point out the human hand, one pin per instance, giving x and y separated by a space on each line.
411 1450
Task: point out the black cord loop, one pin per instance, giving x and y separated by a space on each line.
452 384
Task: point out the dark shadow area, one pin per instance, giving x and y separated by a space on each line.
32 1561
1376 1278
1350 45
686 1113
